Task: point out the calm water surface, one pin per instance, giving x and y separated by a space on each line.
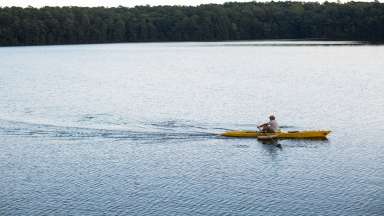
130 129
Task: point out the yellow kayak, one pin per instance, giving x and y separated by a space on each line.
319 134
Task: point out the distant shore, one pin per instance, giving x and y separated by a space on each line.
356 21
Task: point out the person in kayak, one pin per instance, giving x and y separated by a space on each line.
271 126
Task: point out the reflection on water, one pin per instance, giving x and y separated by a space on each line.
272 147
273 151
288 43
272 142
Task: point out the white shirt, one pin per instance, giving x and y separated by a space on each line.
273 125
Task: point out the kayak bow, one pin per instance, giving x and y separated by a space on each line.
319 134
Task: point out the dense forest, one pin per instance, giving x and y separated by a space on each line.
211 22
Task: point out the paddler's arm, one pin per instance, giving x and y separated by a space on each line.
262 125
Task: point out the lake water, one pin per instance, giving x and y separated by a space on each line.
131 129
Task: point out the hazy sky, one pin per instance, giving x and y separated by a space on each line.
114 3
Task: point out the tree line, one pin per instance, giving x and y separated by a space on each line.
211 22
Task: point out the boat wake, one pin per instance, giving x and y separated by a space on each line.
103 126
159 131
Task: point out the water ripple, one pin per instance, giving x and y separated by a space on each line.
52 131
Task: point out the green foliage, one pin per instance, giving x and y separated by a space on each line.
230 21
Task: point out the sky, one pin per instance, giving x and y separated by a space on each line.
115 3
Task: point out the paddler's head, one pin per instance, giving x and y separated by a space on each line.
272 117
